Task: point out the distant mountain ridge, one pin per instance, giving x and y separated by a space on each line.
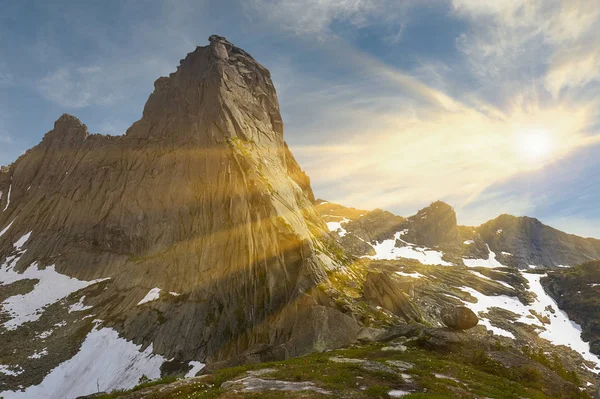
521 242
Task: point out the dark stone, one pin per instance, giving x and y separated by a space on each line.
459 318
174 368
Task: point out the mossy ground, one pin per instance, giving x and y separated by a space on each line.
466 374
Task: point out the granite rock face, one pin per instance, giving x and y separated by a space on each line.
201 198
530 242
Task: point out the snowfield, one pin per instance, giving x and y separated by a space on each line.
337 227
490 262
387 250
105 361
152 295
50 288
560 331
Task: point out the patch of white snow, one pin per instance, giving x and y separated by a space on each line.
397 393
38 355
490 262
337 227
413 275
152 295
79 306
8 198
196 367
387 250
13 371
561 331
22 241
51 287
6 228
104 360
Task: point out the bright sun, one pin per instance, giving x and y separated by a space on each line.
535 145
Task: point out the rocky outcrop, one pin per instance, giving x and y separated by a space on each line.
459 318
433 226
530 242
376 226
380 289
201 198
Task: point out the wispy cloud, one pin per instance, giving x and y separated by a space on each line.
403 142
316 17
555 42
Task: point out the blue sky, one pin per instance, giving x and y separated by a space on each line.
394 104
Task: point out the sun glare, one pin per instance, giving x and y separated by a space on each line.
535 145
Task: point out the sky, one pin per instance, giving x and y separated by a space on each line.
492 107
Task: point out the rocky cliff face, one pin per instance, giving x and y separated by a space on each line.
576 290
530 242
433 226
198 218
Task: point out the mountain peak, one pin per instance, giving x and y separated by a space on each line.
215 89
434 225
67 131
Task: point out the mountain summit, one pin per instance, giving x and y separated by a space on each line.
193 235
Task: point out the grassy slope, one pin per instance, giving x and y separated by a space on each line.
473 374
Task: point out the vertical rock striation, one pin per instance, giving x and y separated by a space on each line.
200 198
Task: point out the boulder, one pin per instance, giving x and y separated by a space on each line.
459 318
370 334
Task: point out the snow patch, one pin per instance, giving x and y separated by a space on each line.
13 371
397 393
484 303
413 275
387 250
8 198
152 295
469 242
490 262
79 306
38 355
104 360
337 227
496 330
22 241
196 367
490 279
51 287
561 331
6 228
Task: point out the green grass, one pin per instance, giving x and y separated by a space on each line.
472 374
